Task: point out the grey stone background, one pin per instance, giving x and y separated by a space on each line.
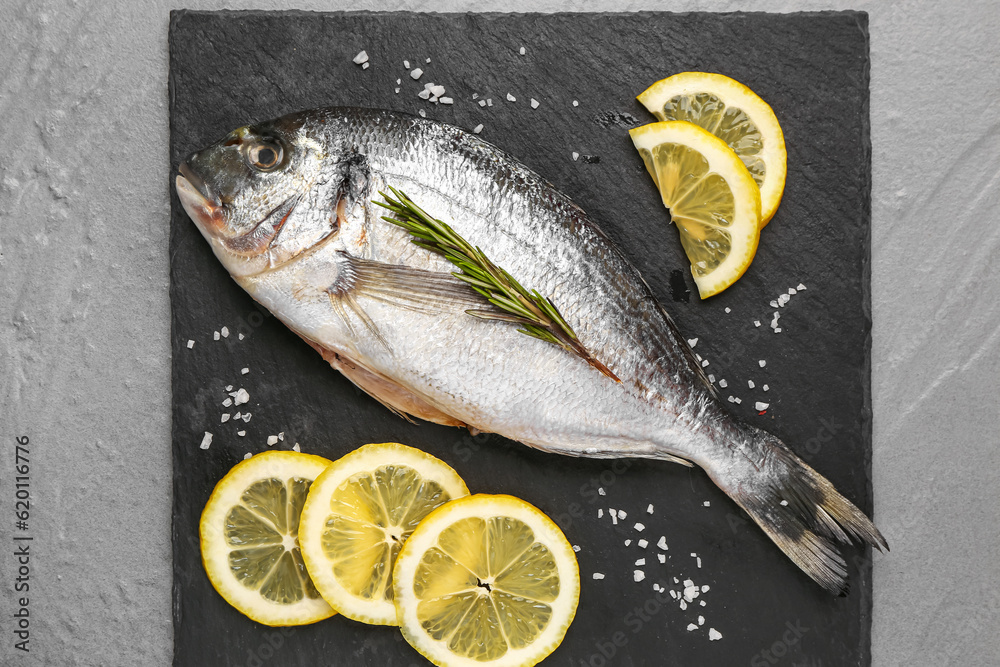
84 354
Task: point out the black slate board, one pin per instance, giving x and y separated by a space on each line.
227 69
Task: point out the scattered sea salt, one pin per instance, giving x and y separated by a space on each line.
521 51
406 64
704 589
475 96
600 512
673 594
241 397
711 378
225 417
737 400
215 335
784 503
649 510
575 103
598 575
237 416
489 101
424 94
416 74
800 287
714 635
762 363
692 626
576 156
731 399
662 558
774 304
247 455
699 562
701 620
628 542
639 527
756 323
296 447
241 336
272 440
662 543
206 441
761 406
750 384
447 100
423 114
728 310
723 383
229 387
397 91
225 332
364 66
436 91
482 103
702 603
704 363
244 370
683 605
622 514
576 548
692 341
361 58
534 103
642 544
190 344
777 330
614 515
246 417
241 433
600 491
226 403
399 81
765 388
281 436
428 60
638 575
640 561
707 503
511 98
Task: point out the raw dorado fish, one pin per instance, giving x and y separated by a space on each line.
287 207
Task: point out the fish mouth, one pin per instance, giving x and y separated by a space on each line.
204 207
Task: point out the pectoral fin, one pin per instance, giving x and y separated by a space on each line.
401 286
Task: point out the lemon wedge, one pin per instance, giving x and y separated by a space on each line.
712 199
486 580
735 114
248 539
359 513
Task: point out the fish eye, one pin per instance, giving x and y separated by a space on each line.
264 155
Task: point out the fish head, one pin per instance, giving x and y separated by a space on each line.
260 195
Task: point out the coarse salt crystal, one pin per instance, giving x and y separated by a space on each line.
690 593
247 455
489 101
704 363
640 561
704 589
701 620
699 562
428 60
226 403
534 103
702 603
692 626
756 323
698 356
777 330
662 558
447 100
511 98
800 287
628 542
416 74
241 433
692 341
728 310
362 57
225 332
424 94
600 491
272 440
296 447
575 103
673 594
676 581
714 635
751 384
241 336
521 51
639 527
638 575
396 90
600 512
190 344
406 64
475 96
723 383
215 335
649 510
760 405
399 81
246 416
792 290
206 441
693 555
774 304
762 363
711 378
598 575
423 114
237 416
731 399
707 503
576 156
642 544
657 588
737 400
229 387
576 548
281 436
241 397
784 503
437 91
225 417
662 543
765 388
482 103
364 65
244 371
622 514
683 604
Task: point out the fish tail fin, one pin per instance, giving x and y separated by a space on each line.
798 508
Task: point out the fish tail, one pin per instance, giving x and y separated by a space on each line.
798 508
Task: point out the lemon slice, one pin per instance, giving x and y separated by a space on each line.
248 539
735 114
359 513
486 580
712 199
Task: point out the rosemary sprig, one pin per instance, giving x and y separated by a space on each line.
537 315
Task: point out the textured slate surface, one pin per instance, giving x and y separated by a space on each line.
228 69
